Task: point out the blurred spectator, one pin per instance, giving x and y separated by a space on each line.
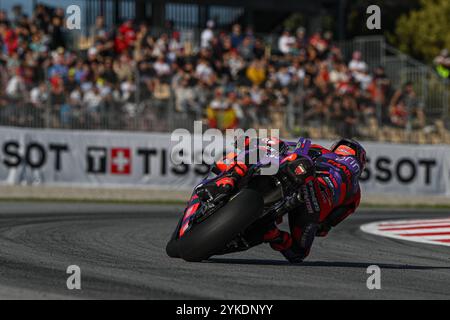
256 72
236 35
356 65
380 90
319 43
442 62
207 34
99 30
16 88
55 32
300 38
39 95
185 97
93 99
161 67
405 109
235 63
286 42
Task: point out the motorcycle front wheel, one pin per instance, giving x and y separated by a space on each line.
214 233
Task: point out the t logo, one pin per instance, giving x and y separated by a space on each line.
96 160
120 161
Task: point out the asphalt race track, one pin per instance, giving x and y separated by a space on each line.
121 252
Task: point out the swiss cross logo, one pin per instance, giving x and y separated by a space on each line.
120 161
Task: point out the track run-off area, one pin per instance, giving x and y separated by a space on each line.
120 250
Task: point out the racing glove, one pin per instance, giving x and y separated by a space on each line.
278 240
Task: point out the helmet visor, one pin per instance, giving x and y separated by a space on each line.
344 150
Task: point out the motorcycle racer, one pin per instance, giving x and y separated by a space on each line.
329 183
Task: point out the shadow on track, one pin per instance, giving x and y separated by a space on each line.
333 264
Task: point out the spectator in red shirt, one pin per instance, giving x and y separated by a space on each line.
127 30
11 41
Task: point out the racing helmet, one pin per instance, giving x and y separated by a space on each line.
349 147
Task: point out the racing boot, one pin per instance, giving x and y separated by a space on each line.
234 170
278 240
281 241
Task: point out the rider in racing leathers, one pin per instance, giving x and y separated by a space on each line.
329 182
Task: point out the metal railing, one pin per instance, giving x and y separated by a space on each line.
431 89
432 94
372 49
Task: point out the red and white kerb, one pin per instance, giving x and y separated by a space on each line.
432 231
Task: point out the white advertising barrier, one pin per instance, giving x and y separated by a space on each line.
407 169
31 156
95 158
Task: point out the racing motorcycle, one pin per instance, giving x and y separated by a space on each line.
217 224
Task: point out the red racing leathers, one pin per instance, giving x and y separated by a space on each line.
330 194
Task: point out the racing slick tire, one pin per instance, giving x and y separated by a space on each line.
213 234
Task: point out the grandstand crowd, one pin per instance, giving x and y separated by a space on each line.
132 77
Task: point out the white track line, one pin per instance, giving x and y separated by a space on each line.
404 225
437 229
413 222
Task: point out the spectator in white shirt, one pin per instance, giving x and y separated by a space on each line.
218 103
207 34
161 67
39 95
286 42
356 65
15 88
93 99
203 71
